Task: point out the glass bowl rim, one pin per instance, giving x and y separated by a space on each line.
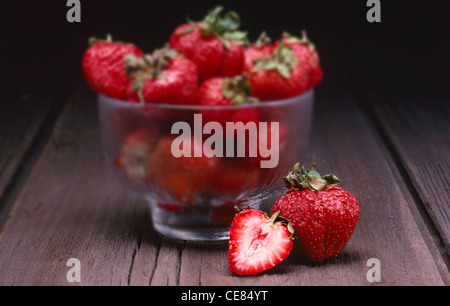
282 102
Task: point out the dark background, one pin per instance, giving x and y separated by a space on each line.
36 33
387 82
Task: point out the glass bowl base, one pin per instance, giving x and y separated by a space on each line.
193 223
207 235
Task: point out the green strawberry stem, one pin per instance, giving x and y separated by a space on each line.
95 40
303 40
281 60
262 41
149 66
301 179
238 89
277 218
272 218
224 27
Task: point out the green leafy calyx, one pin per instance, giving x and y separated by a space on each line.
148 66
301 179
288 38
238 89
262 41
225 27
281 60
95 40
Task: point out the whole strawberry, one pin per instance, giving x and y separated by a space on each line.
258 242
214 44
184 178
307 54
279 75
224 92
322 214
104 66
162 77
135 153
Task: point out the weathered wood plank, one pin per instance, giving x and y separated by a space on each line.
413 113
71 207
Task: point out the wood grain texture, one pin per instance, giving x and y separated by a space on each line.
415 120
71 207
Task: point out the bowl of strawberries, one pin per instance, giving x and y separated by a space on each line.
205 124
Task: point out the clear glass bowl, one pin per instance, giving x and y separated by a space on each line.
194 198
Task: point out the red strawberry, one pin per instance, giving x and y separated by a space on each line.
183 177
306 52
232 60
279 75
214 44
260 48
210 94
322 214
234 178
257 242
163 77
219 92
104 67
205 51
135 153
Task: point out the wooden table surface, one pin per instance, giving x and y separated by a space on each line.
381 132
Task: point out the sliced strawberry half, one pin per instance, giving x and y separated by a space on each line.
258 242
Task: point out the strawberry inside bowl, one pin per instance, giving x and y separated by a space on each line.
195 163
207 123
